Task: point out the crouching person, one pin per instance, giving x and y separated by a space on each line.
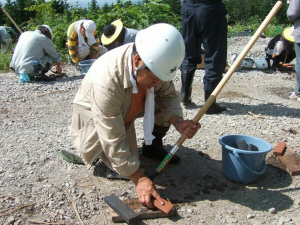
128 82
35 54
83 42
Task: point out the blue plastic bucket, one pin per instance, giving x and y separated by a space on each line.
241 165
85 65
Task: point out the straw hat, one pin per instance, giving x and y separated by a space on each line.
111 32
288 34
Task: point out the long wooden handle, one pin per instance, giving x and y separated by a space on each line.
237 62
222 83
11 19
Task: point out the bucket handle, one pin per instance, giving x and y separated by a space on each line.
247 167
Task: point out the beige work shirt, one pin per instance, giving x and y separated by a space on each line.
101 105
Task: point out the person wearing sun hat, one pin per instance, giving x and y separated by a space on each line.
115 35
281 51
288 34
83 42
293 14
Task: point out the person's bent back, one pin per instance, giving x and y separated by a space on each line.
83 42
35 46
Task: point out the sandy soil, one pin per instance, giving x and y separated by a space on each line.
38 186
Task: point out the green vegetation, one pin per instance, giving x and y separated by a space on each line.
5 60
29 14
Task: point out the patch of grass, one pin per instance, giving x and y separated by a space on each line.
273 29
5 61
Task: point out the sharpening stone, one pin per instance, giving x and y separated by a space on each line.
122 209
143 211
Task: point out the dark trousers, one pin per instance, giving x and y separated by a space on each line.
204 22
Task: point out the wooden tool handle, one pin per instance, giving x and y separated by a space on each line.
222 83
11 19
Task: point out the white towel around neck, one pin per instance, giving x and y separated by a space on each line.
81 41
148 122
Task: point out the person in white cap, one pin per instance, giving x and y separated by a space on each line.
128 82
35 46
115 35
83 42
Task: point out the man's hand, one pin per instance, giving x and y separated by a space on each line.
58 68
145 189
93 56
188 128
287 65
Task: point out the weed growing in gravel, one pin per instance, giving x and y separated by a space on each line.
5 60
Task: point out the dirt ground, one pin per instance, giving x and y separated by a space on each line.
38 187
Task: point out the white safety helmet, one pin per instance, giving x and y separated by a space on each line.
261 63
248 63
161 47
49 29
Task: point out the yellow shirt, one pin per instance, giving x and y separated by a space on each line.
73 43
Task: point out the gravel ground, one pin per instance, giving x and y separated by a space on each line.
38 186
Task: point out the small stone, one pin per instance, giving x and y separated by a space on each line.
61 211
296 220
284 220
250 217
297 202
266 201
10 220
50 204
17 201
18 222
125 193
272 211
40 179
231 220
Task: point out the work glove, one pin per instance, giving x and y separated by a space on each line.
24 78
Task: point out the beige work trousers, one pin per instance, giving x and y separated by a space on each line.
86 140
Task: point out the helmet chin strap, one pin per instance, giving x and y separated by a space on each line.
137 69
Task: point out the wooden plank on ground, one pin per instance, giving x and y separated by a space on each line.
123 210
142 211
291 160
